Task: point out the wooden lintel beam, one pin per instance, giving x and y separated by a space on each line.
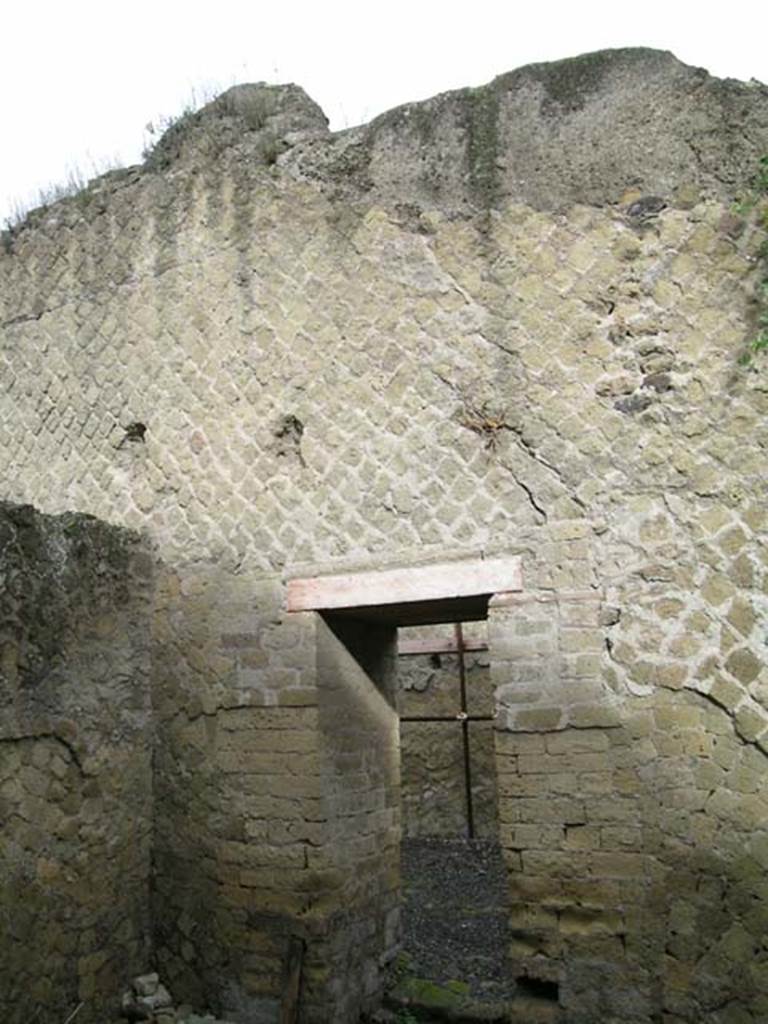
441 582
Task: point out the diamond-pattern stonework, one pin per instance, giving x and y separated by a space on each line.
272 378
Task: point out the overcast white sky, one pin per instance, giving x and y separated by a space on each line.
80 79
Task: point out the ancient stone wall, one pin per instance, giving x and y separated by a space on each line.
276 368
238 776
75 764
361 809
633 829
278 777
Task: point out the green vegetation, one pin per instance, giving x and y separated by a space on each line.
163 135
759 342
163 141
569 83
406 1017
206 114
761 178
424 994
75 184
483 144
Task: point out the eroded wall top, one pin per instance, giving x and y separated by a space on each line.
580 130
585 129
550 135
268 356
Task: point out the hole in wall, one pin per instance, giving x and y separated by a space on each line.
537 988
288 432
135 433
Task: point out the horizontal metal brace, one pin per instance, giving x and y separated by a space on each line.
448 646
460 716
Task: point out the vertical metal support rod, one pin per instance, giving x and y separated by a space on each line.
289 1006
465 732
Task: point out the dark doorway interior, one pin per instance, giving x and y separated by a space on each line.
446 706
454 880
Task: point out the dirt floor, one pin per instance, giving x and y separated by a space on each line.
454 933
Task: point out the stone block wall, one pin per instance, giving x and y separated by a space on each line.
277 764
75 764
238 776
361 803
267 367
634 832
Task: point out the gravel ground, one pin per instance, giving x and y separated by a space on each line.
455 914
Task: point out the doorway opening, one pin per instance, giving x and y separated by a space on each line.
453 877
441 964
446 708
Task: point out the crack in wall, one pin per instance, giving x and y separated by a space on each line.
710 699
531 452
37 736
539 509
